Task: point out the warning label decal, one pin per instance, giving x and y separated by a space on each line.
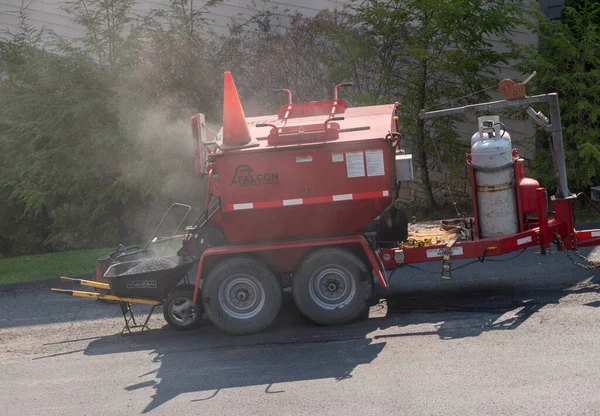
355 164
375 166
439 252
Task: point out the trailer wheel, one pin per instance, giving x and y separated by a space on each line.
179 311
332 287
241 296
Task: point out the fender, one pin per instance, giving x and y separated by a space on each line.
352 239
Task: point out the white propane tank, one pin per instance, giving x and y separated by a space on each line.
491 157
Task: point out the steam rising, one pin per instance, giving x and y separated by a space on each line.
162 163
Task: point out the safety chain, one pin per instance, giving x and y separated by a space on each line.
591 265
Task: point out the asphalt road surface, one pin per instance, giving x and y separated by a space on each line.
519 337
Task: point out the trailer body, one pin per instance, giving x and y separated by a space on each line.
325 174
289 187
308 198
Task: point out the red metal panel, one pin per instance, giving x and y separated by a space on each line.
291 245
588 243
518 169
587 234
565 220
587 238
474 197
542 208
300 221
317 176
197 154
360 123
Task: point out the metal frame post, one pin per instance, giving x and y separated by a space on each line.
555 127
542 206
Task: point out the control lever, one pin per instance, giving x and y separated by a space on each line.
530 77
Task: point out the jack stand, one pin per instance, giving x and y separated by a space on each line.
447 264
130 318
544 252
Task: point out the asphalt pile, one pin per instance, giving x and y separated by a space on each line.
150 265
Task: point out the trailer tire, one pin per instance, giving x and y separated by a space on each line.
176 308
332 287
241 296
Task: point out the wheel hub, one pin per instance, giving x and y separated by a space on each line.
332 287
182 311
241 296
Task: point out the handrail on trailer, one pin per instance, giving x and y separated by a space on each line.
153 237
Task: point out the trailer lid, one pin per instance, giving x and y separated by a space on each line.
358 123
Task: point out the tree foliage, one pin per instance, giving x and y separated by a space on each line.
94 130
61 149
298 53
430 51
106 23
83 148
568 63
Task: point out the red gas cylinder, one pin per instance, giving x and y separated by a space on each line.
527 189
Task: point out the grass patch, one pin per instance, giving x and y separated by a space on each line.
45 266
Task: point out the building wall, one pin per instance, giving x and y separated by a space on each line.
48 14
552 8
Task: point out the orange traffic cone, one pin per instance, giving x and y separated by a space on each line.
235 129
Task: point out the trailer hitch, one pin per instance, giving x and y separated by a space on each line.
462 234
447 259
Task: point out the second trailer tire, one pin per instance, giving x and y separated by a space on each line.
241 296
332 287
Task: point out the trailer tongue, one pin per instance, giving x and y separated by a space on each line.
308 198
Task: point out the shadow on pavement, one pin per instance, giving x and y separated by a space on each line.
206 361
